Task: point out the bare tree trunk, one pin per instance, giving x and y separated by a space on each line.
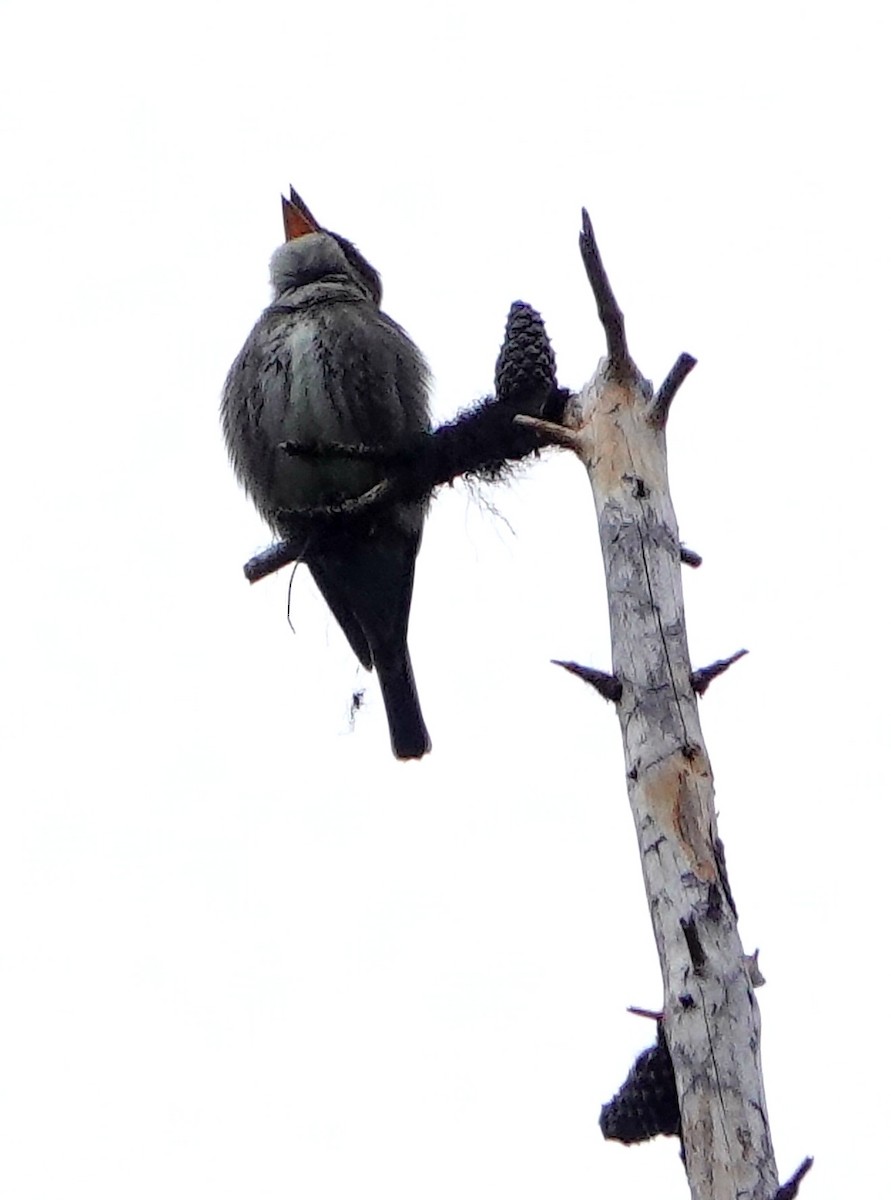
711 1016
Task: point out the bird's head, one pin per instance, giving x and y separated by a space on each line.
312 254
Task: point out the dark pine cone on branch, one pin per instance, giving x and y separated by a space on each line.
526 368
647 1102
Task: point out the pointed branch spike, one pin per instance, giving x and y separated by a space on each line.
556 435
608 310
701 678
609 687
645 1012
750 962
658 413
790 1190
690 557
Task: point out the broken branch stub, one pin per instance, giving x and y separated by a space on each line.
711 1023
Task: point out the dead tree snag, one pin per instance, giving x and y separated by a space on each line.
711 1022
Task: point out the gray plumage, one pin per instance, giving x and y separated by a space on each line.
323 364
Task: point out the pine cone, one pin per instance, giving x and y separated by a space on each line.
647 1102
526 372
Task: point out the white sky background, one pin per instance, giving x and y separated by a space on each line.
244 951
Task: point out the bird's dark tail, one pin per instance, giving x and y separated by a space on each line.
408 733
367 577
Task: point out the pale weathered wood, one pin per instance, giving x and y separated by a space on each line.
711 1014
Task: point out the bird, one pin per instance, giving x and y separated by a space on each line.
325 366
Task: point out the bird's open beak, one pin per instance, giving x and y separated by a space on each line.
297 217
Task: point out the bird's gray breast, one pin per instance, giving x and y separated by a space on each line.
320 373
